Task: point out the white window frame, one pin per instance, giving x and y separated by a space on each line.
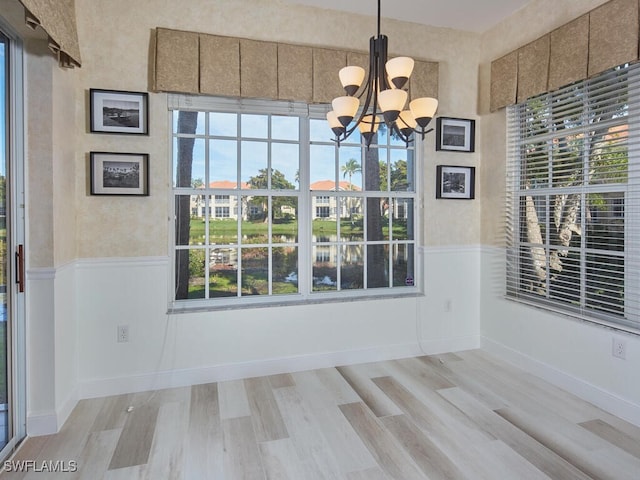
305 199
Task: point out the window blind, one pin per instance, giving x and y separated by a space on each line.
573 204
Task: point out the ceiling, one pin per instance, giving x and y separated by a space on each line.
470 15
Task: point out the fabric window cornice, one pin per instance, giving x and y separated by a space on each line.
58 19
605 37
237 67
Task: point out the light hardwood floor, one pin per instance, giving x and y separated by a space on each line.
452 416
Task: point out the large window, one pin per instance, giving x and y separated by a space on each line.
573 189
268 208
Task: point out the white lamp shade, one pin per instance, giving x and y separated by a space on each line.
332 118
351 76
367 121
345 107
424 107
392 100
407 120
399 67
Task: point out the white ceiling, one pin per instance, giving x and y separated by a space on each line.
470 15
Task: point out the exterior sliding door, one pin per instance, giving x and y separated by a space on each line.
12 380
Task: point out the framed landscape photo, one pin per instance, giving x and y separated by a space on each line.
455 182
119 112
455 134
119 173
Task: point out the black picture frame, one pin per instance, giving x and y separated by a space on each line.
119 112
455 134
455 182
114 173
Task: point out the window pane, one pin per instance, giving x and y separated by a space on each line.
189 161
285 270
191 212
254 126
352 267
609 156
403 261
375 170
319 130
285 166
223 226
564 284
377 266
254 164
377 221
255 226
402 175
535 165
223 272
285 128
188 122
350 169
255 271
322 164
351 219
605 221
533 215
190 273
402 220
325 271
223 124
533 270
284 219
223 156
605 283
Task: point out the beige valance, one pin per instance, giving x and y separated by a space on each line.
58 19
190 62
601 39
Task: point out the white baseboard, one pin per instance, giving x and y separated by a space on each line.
48 423
181 378
601 398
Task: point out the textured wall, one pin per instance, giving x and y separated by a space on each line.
115 40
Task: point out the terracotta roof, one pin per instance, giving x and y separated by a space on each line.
330 185
227 184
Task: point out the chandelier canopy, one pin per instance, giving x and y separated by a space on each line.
384 98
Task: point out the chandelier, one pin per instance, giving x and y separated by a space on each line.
384 98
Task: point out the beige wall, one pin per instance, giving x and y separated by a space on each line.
114 38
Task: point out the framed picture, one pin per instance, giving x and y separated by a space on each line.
455 182
455 134
119 173
119 112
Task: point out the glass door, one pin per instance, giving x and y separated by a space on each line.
12 381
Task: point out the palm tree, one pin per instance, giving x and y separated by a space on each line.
350 168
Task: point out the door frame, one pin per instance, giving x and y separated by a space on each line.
16 315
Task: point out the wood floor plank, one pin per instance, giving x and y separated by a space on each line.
429 458
204 438
113 413
265 414
30 449
96 454
280 460
424 373
327 386
368 392
233 399
311 446
614 436
390 456
282 380
167 455
137 472
598 462
348 449
135 440
369 474
534 452
242 458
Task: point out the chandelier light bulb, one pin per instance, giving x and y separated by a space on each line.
334 123
391 103
351 78
423 110
369 124
399 70
345 109
406 122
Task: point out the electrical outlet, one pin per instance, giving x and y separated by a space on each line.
123 333
619 348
